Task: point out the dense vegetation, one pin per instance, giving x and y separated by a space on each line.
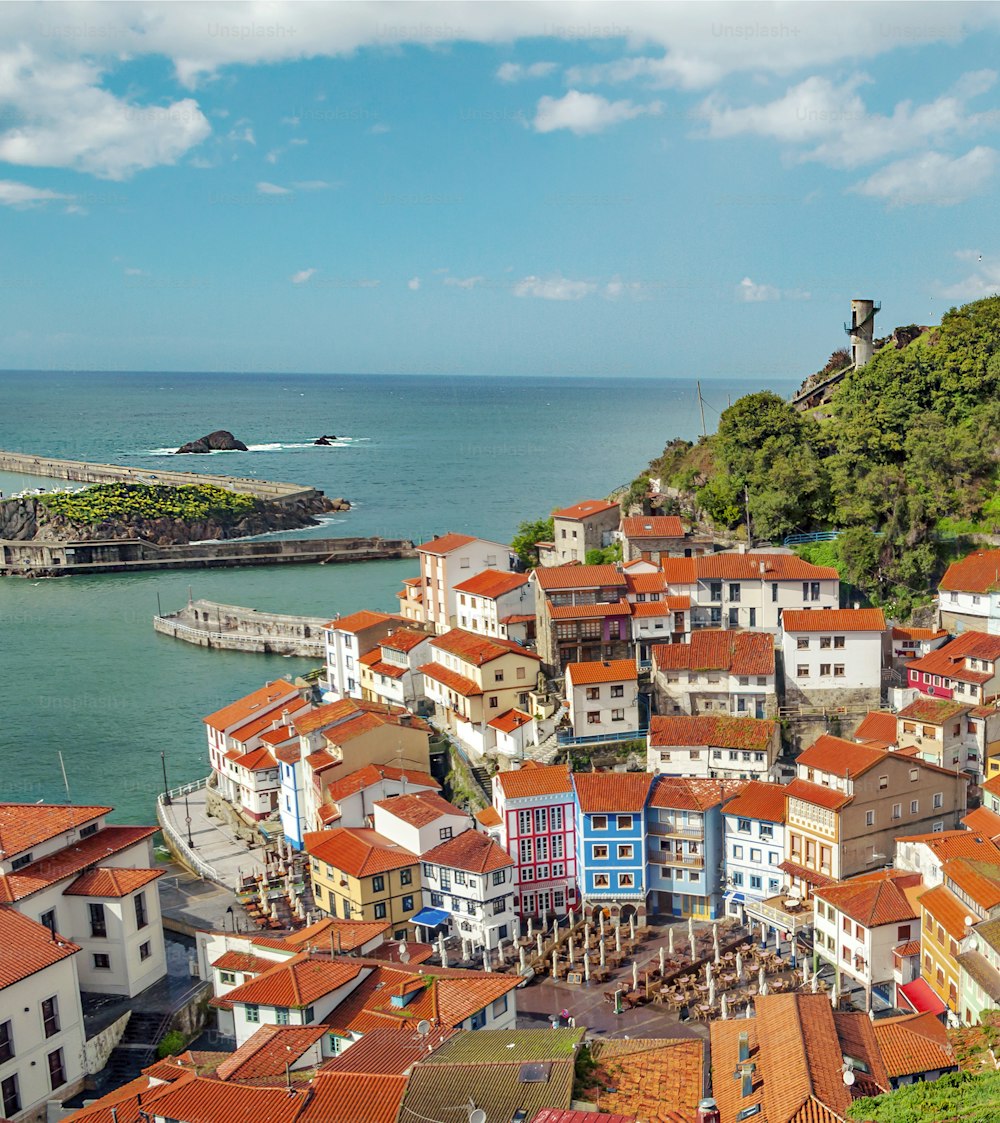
529 534
127 502
908 457
959 1096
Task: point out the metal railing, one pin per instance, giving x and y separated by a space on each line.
234 640
814 536
202 868
566 738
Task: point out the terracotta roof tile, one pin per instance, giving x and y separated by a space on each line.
983 821
451 680
950 659
665 607
956 844
759 800
446 543
816 793
652 526
272 697
748 566
360 621
685 794
488 818
653 1079
385 1051
258 760
341 1097
579 577
509 721
418 808
268 1050
932 710
679 571
899 632
877 726
111 881
645 582
840 757
476 649
590 611
913 1044
874 899
557 1115
492 583
346 935
371 775
404 639
295 983
28 947
533 779
612 791
23 825
977 878
833 620
584 509
713 649
207 1100
243 961
976 573
613 670
722 731
470 851
946 908
358 851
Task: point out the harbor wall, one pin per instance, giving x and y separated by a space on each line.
231 627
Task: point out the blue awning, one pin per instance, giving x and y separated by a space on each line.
430 918
736 895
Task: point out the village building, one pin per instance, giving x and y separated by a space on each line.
717 672
345 640
653 537
446 562
965 670
582 614
915 1048
833 658
657 617
604 701
390 672
914 643
751 589
494 603
419 821
536 826
588 525
978 971
716 748
877 728
969 594
754 843
514 732
611 843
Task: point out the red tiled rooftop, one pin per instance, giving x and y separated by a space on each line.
652 526
557 577
840 757
492 583
664 607
477 649
682 793
372 774
613 670
833 620
816 793
419 808
877 726
470 851
445 544
612 791
977 573
713 649
245 962
932 710
403 639
601 610
645 582
874 899
28 947
24 825
533 779
385 1051
585 509
488 818
759 566
346 1097
273 697
899 632
111 881
358 851
946 909
723 731
451 680
916 1043
378 666
510 721
269 1050
759 800
984 821
295 983
360 621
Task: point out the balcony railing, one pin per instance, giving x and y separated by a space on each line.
673 858
565 737
773 911
675 830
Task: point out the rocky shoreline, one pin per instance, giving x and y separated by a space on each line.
27 519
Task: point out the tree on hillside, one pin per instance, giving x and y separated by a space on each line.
529 534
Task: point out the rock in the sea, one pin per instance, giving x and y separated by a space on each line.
219 441
326 439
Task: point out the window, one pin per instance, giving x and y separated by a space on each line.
141 917
593 717
738 878
498 676
802 643
378 884
617 715
519 673
801 670
98 922
838 641
498 877
499 1006
459 877
825 642
308 1016
602 881
914 806
755 855
838 670
406 877
824 669
50 1016
593 693
600 853
437 899
494 702
715 590
734 618
599 822
734 592
380 911
478 1019
145 950
280 1016
102 962
914 774
444 833
625 850
618 691
738 852
938 800
624 822
883 783
626 881
11 1096
407 903
897 810
743 825
753 617
6 1042
755 881
869 818
224 977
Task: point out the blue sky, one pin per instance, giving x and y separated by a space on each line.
598 189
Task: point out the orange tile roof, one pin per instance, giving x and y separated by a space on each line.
651 1079
489 818
759 800
208 1100
956 844
28 947
877 726
269 698
111 881
713 649
679 571
645 582
874 899
385 1051
899 632
833 620
369 720
685 794
533 779
378 666
492 583
135 1096
278 736
976 573
324 715
510 721
612 791
358 851
840 757
555 577
294 984
968 645
916 1043
946 909
23 825
932 710
817 793
418 809
661 608
258 760
346 1097
722 731
243 961
446 543
372 774
70 860
452 680
977 878
404 639
360 621
268 1050
612 670
477 649
590 611
346 935
984 821
760 566
470 851
992 785
584 509
373 656
652 526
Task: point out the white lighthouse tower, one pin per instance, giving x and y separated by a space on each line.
861 329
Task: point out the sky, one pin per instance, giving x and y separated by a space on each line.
602 189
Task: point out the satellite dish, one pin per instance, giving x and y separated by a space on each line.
969 922
477 1116
848 1077
423 1027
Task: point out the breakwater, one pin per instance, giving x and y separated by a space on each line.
231 627
82 471
41 558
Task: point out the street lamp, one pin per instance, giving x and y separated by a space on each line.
187 819
166 790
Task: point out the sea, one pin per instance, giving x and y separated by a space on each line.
95 704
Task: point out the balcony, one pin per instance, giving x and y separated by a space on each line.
782 912
675 830
565 737
673 858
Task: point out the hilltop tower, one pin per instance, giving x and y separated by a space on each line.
861 330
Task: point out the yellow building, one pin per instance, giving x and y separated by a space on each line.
359 874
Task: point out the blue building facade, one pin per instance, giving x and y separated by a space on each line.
291 802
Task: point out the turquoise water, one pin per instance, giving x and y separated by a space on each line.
82 671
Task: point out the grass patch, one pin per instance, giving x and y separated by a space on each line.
126 502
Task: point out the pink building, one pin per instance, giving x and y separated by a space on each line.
967 669
537 829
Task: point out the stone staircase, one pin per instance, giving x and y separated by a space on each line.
136 1050
545 752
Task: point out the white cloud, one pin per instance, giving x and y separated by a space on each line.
135 272
749 292
932 178
314 185
379 128
265 188
413 284
554 288
518 72
833 122
984 280
616 288
272 156
302 276
244 135
298 141
68 121
14 194
587 113
368 283
293 121
464 282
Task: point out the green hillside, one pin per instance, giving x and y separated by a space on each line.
908 458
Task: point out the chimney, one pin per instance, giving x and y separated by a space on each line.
746 1085
744 1040
708 1111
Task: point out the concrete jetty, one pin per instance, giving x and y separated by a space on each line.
84 472
230 627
